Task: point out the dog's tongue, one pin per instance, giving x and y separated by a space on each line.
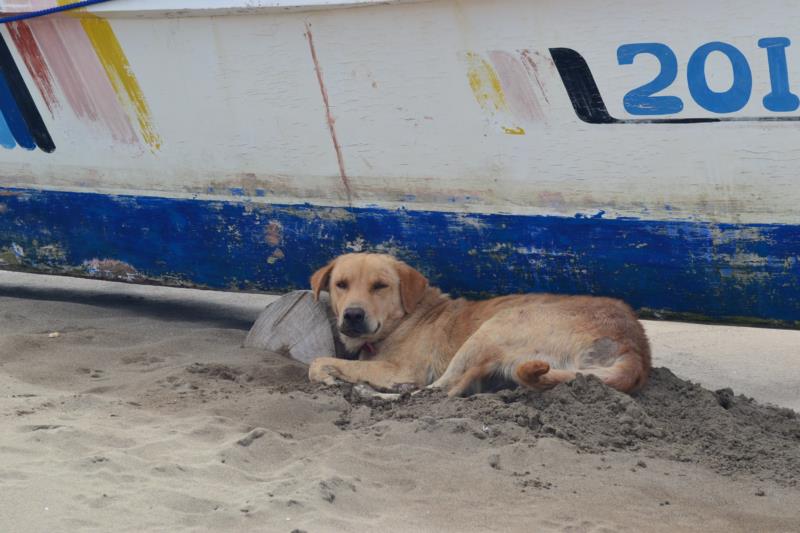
369 349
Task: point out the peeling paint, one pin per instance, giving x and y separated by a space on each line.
111 269
51 253
358 245
8 258
723 235
331 214
274 232
276 256
470 221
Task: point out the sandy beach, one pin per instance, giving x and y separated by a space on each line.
132 408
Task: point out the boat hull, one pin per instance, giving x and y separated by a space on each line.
499 147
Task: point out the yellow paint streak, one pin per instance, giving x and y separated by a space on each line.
119 73
485 83
516 130
118 70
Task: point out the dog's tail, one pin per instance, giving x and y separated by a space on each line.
626 374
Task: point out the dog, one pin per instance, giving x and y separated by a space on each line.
408 335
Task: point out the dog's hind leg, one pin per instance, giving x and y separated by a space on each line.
474 361
537 374
626 373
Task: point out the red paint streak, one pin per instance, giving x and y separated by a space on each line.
329 116
517 86
66 72
80 75
32 56
529 62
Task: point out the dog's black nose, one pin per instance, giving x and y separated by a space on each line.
354 315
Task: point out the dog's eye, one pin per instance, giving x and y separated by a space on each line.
378 285
342 284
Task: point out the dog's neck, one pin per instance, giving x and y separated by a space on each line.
450 319
432 304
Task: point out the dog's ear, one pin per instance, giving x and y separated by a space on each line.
412 286
321 279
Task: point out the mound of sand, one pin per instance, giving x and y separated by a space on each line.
671 418
147 415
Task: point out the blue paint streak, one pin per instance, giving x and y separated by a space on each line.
13 116
682 266
6 138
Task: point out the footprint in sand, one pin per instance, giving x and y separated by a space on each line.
93 373
329 488
42 427
141 359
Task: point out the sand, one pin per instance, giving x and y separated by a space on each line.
133 408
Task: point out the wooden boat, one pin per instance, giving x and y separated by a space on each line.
642 151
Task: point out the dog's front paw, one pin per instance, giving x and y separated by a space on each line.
323 370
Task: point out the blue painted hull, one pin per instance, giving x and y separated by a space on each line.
723 272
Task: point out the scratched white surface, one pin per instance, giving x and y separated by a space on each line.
237 102
184 8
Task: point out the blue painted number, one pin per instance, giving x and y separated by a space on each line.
736 96
641 101
780 97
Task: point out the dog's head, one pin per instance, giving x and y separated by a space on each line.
370 294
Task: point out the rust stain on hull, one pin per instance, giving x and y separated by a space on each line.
328 115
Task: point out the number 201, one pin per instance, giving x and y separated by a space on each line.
641 101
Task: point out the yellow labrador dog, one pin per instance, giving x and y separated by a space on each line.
410 335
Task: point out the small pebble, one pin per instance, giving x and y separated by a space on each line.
494 461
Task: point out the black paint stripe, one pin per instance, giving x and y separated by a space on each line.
589 105
25 102
581 87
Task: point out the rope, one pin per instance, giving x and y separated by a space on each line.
49 11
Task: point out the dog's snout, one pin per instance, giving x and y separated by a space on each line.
354 315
